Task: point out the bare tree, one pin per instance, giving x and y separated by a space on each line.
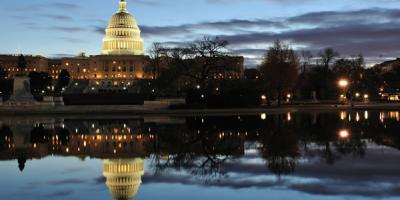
183 62
307 57
327 56
200 59
212 54
359 61
155 53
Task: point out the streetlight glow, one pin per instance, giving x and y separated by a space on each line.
263 116
344 134
343 83
263 97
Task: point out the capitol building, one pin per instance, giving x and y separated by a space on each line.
122 58
122 54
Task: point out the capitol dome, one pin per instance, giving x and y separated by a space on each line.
122 34
123 177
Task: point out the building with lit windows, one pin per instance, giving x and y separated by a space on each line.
33 63
122 58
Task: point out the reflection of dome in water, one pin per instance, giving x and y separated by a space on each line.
123 34
123 177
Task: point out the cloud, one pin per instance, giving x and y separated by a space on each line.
348 177
68 29
73 40
67 181
58 17
373 32
46 6
147 2
64 6
59 194
62 55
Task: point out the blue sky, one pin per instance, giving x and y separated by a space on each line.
66 27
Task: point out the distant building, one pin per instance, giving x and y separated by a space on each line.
390 91
388 66
390 95
233 68
33 63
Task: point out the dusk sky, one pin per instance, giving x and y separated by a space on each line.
56 28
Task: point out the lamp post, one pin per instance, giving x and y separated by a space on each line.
343 85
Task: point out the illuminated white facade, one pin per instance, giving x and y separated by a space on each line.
123 34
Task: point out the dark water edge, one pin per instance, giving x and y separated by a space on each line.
161 108
325 155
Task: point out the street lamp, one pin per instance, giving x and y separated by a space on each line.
343 85
366 97
264 99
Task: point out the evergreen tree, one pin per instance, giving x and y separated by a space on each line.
279 70
63 80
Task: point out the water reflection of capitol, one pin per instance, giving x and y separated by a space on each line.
123 177
120 143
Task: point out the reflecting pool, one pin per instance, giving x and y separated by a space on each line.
335 155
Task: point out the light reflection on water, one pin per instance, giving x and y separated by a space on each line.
289 156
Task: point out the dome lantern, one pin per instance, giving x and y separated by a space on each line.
122 6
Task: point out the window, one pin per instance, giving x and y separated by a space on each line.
131 69
124 69
114 69
106 68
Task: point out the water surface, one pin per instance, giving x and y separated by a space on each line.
345 155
